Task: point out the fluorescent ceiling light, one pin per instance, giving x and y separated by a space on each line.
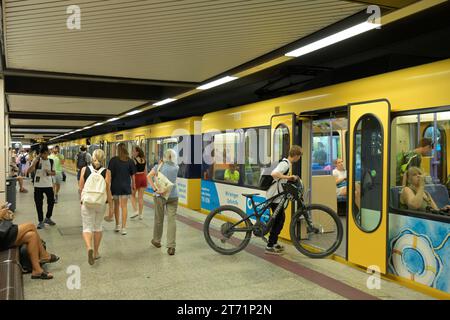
86 128
98 124
165 101
133 112
113 119
340 36
216 83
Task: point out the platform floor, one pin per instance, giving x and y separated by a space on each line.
131 268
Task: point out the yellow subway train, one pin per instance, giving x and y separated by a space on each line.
375 125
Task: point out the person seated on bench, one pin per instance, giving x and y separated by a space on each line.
232 174
14 235
341 178
414 196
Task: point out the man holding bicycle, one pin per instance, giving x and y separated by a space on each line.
280 176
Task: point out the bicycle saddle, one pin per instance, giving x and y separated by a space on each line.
250 195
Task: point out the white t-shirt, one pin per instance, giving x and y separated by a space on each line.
339 174
276 187
42 179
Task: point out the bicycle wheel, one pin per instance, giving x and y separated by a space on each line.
221 232
319 235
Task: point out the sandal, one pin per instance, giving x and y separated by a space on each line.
53 258
91 259
43 276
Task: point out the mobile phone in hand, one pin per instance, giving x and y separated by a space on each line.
8 205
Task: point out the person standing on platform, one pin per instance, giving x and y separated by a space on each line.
280 176
44 170
14 173
58 160
169 168
123 184
83 159
141 182
95 188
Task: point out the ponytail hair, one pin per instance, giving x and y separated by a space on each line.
98 158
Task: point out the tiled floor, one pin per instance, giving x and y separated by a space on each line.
130 268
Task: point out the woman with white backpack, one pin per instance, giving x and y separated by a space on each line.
95 188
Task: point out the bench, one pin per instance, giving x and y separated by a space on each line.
11 284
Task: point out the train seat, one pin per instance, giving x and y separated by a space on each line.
219 174
438 192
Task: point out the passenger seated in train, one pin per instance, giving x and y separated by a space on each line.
13 235
320 155
340 175
413 158
414 196
232 174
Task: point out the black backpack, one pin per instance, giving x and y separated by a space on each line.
81 160
266 179
23 159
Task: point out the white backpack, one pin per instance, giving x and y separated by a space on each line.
94 191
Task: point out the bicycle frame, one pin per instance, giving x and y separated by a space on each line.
263 206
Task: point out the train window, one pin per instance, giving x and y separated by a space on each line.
420 180
226 149
152 153
281 142
327 146
368 173
256 154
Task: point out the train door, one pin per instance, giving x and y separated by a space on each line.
368 184
327 159
284 135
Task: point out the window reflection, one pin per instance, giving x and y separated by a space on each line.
368 173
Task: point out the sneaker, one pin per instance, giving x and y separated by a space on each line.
135 215
156 244
56 199
124 231
49 222
141 217
117 229
171 251
41 225
278 247
272 250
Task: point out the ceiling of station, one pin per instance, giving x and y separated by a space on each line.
48 123
131 53
53 104
190 40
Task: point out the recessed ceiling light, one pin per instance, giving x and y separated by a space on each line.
334 38
133 112
165 101
216 83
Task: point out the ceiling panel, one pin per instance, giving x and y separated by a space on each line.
190 40
53 104
50 123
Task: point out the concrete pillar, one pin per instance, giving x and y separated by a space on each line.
4 137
